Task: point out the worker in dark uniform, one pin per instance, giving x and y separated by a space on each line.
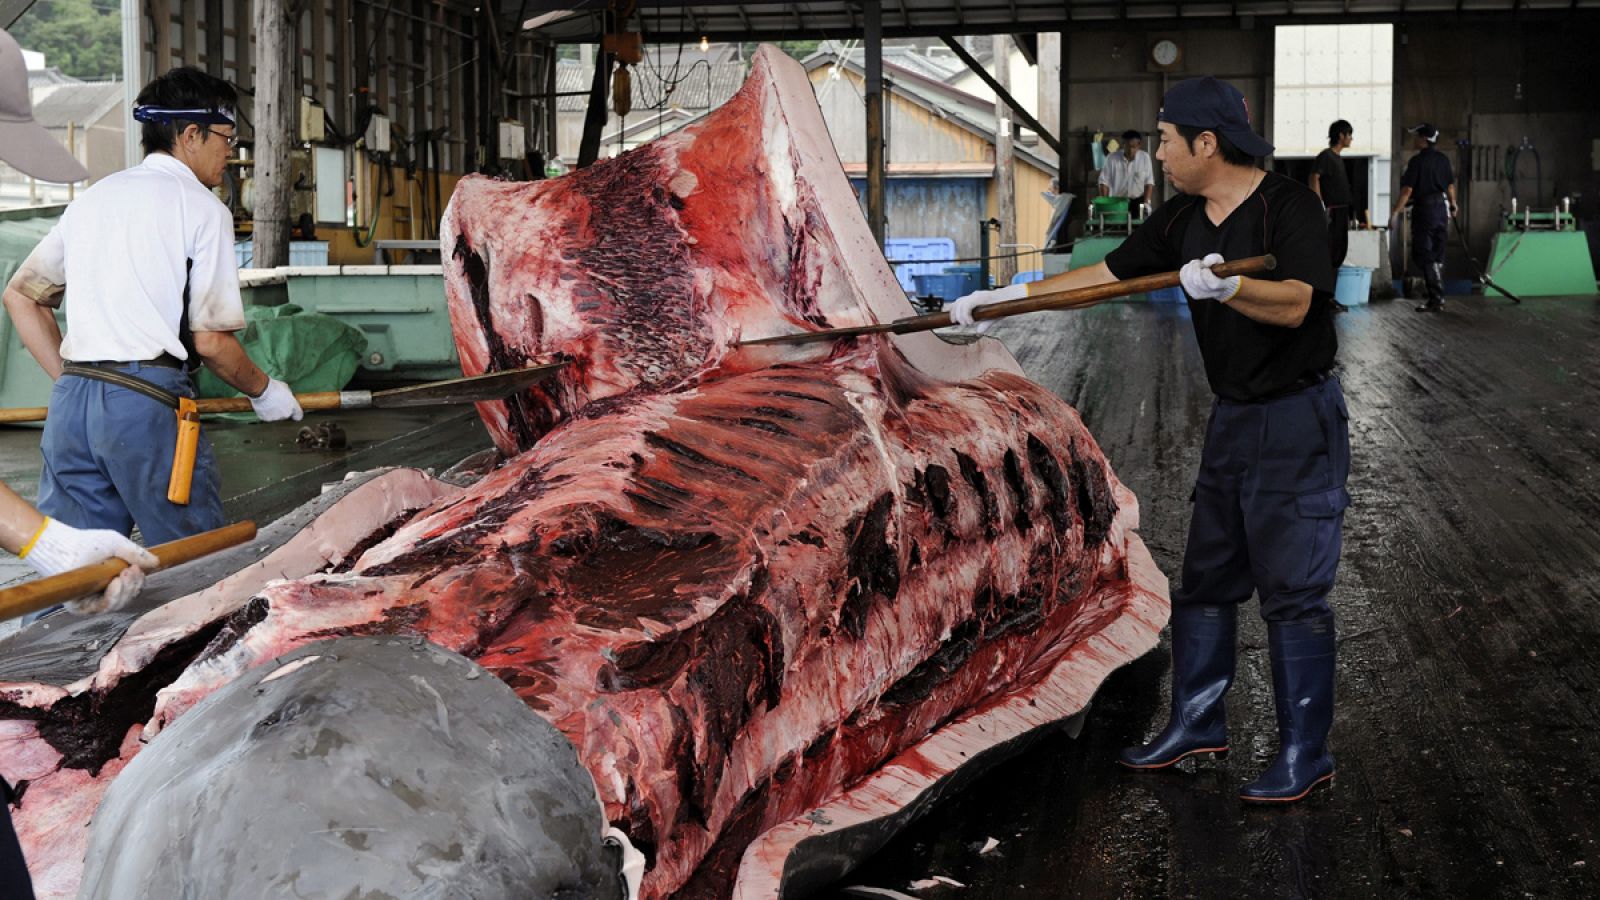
1270 495
1430 185
1331 183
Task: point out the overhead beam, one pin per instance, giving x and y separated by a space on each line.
1000 92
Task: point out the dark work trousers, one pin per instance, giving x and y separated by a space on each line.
1338 235
1269 504
1430 228
14 881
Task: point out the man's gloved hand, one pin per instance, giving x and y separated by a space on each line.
961 310
277 402
1202 285
59 547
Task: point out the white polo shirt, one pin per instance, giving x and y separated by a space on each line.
1128 178
124 251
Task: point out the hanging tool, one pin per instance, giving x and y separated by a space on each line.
1477 270
1073 299
43 593
184 453
476 389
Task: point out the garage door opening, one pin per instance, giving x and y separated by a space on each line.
1323 73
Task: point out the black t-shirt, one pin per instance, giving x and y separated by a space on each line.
1245 359
1428 174
1333 180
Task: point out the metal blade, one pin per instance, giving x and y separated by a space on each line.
831 334
478 388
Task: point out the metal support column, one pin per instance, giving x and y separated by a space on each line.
872 18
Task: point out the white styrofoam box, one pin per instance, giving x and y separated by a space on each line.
1363 250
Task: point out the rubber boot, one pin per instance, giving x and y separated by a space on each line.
1202 668
1302 682
1435 285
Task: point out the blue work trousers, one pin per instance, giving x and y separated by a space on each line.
108 457
1269 504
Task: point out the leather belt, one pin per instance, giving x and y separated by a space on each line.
104 372
165 361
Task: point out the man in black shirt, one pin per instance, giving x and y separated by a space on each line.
1270 496
1331 183
1429 181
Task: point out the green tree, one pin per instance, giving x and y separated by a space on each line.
83 38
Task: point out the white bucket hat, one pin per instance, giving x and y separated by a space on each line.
23 142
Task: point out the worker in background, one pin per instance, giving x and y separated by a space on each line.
1128 172
1331 183
154 288
1430 185
1270 495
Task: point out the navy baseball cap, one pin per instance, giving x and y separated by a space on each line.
1214 105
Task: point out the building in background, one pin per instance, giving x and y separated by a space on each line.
940 164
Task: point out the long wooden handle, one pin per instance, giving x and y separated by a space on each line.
44 593
317 400
1079 298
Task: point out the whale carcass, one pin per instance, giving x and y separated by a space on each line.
745 584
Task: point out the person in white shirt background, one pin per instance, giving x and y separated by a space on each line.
1129 172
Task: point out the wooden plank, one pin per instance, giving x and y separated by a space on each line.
317 14
244 50
379 41
215 35
189 38
342 61
161 12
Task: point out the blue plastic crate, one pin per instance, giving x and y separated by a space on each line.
937 250
945 286
1028 277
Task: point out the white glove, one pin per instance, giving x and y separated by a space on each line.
277 402
60 547
1200 284
961 310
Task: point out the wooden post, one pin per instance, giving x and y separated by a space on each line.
72 149
1050 90
877 180
1005 174
275 111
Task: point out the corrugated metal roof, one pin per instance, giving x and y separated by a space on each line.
666 83
675 20
82 103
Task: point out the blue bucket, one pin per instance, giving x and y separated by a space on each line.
1354 286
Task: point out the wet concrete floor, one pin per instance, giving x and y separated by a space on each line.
1469 621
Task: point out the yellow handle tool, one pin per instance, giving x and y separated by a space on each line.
44 593
183 455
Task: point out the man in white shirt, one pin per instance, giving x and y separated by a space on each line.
1128 172
148 255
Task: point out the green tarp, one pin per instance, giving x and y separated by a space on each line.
310 351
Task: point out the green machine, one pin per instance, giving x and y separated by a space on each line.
1111 220
1541 253
22 382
